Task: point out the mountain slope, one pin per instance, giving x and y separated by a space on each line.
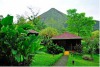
56 19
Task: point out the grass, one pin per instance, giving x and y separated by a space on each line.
80 62
45 59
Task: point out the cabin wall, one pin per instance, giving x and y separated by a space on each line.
68 44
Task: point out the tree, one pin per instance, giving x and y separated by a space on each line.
95 34
21 19
26 25
36 20
79 23
95 38
48 32
38 24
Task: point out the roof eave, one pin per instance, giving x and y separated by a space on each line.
65 38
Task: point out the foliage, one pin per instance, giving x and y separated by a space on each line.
81 62
26 26
48 32
45 59
38 24
44 49
35 19
56 19
91 45
15 45
79 23
89 48
21 19
21 22
95 34
54 48
33 23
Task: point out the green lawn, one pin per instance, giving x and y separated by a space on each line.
45 59
80 62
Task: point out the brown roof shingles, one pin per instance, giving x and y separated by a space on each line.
32 31
66 35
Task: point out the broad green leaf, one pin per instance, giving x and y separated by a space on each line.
4 29
18 57
22 58
14 51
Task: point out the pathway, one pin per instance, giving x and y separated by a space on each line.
62 61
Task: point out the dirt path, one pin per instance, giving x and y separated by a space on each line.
62 61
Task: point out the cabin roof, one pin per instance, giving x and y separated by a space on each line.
32 31
66 35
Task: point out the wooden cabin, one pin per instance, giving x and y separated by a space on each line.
32 32
67 40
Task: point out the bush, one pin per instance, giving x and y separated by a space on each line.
44 49
54 49
87 57
78 48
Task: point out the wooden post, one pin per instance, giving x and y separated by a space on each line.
71 47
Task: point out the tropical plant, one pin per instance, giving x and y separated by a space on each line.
54 48
16 47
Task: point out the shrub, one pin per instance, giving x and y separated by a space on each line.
44 49
54 49
87 57
78 48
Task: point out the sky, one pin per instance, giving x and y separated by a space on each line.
13 7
